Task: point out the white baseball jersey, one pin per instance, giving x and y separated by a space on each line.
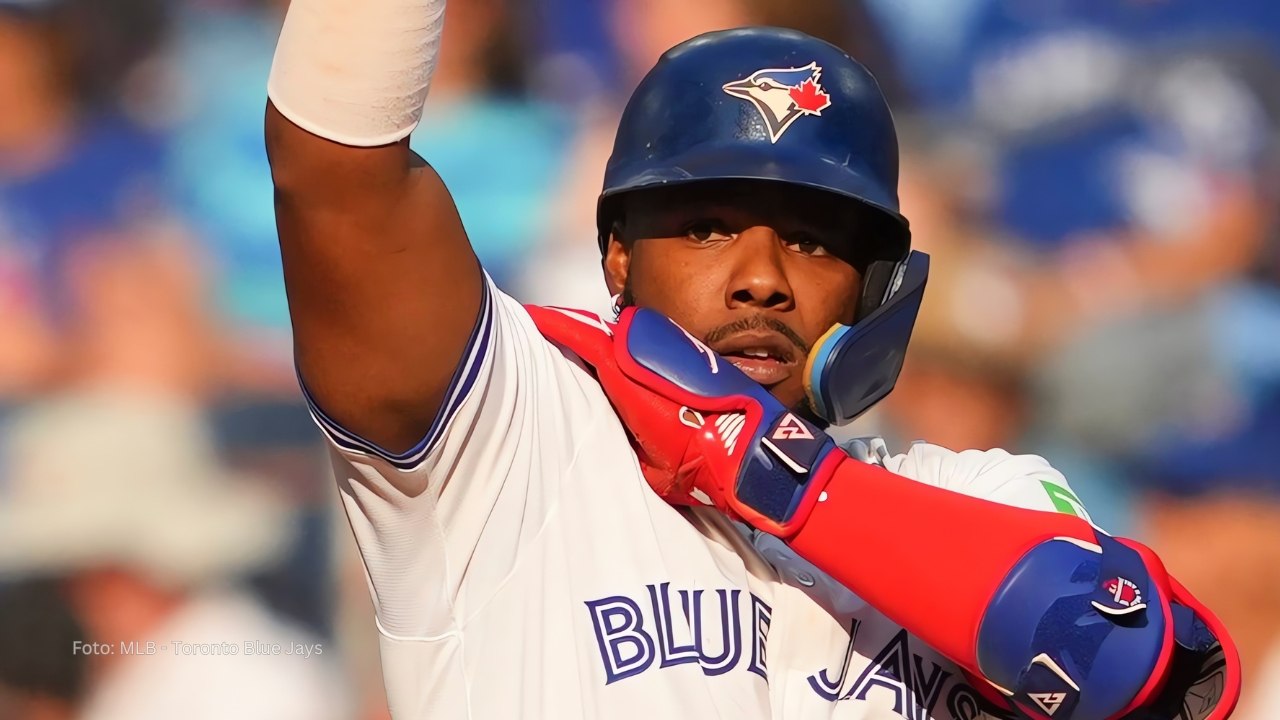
521 567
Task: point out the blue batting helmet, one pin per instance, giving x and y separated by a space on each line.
758 104
776 105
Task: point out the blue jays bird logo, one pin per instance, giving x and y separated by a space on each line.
781 95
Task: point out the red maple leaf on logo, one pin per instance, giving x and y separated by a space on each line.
810 98
1123 591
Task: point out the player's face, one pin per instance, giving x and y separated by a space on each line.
758 272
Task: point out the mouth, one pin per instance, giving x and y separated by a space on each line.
767 358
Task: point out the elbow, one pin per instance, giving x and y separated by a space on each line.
308 166
285 156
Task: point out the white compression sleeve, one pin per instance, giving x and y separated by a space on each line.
356 71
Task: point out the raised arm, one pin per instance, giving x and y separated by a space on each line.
384 289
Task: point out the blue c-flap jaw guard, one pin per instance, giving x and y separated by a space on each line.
853 367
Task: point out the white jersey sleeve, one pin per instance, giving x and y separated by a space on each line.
1026 481
482 481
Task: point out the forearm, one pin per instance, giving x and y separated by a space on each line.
1057 616
935 556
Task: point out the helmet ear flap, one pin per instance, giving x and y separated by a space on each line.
875 286
852 367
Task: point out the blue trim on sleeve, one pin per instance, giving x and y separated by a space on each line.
460 385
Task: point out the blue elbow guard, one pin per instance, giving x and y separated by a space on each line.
1079 631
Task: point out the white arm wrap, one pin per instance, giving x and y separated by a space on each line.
356 71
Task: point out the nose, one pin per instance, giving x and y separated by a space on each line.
759 278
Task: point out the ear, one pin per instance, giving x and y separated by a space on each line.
617 264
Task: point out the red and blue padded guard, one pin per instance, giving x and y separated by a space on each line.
1061 620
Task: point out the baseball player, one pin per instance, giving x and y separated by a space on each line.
567 516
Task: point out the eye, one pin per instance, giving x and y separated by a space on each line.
706 231
806 245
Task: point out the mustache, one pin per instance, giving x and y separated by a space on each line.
757 322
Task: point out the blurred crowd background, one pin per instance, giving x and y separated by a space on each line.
1097 181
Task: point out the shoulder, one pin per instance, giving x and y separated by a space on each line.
1024 480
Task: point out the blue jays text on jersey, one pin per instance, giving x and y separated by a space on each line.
631 640
725 629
